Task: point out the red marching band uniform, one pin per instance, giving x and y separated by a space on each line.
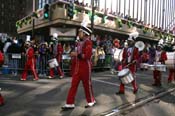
1 62
160 57
133 53
59 59
82 72
30 63
171 76
1 99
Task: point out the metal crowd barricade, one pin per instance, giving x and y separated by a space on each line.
42 63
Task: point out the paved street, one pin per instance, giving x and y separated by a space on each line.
46 96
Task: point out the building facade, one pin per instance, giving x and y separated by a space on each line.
10 12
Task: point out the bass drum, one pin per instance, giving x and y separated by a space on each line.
170 62
118 54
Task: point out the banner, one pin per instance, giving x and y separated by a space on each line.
63 32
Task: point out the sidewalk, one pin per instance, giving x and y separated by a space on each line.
46 96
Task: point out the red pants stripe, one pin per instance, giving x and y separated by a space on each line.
86 81
171 76
32 68
157 77
1 100
60 72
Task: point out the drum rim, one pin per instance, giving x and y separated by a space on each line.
124 74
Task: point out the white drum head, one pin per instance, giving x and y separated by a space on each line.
123 72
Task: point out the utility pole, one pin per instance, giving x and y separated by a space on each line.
163 15
92 17
33 21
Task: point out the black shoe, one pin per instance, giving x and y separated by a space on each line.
154 84
135 91
119 92
65 107
90 105
159 84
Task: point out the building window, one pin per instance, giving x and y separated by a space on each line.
41 3
2 5
2 22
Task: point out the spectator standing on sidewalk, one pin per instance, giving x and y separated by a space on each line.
14 56
42 58
7 44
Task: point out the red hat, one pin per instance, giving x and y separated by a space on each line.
116 43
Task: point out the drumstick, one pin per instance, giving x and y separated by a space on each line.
131 63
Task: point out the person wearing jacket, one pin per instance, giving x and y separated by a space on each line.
159 57
30 62
129 60
14 52
82 71
59 59
171 75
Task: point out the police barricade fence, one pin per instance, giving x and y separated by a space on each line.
16 62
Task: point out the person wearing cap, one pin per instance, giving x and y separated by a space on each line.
129 60
82 71
171 75
59 59
116 64
30 62
159 57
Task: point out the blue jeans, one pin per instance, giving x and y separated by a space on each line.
14 65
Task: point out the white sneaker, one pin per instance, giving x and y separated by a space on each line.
61 77
50 77
90 104
68 106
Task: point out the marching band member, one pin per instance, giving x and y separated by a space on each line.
1 100
30 63
171 76
130 56
73 59
59 59
160 57
116 64
82 71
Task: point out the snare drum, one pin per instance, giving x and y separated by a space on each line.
151 67
53 63
125 76
144 65
160 67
